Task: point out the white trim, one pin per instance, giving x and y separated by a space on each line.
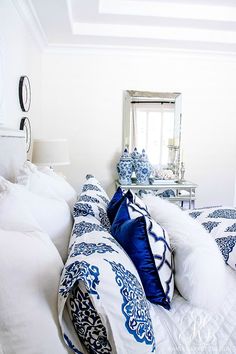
75 49
154 32
11 133
28 14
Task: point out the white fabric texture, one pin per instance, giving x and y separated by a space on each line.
47 183
29 277
199 266
20 208
186 329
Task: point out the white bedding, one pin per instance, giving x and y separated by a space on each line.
185 329
188 329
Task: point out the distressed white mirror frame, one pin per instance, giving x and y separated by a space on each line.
132 97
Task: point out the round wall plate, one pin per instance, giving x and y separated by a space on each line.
24 93
26 127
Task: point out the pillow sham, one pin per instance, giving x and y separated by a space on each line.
118 198
47 183
148 246
199 267
115 203
220 222
103 293
30 273
92 188
19 208
93 200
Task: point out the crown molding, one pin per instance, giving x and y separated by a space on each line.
76 49
27 12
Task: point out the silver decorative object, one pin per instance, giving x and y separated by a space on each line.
173 158
182 172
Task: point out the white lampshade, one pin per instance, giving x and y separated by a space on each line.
52 152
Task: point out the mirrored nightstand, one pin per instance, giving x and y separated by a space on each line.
182 193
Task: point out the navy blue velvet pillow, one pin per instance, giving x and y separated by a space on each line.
132 236
115 203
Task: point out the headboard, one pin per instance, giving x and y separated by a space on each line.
12 153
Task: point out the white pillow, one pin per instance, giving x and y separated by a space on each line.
20 209
199 266
30 271
47 183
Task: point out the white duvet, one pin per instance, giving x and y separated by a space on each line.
188 329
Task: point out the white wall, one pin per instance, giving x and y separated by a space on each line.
82 100
20 55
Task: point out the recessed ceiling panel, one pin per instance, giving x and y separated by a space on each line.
188 24
167 9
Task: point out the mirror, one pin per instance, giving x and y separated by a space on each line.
152 121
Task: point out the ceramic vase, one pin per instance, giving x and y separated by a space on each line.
135 157
125 168
143 169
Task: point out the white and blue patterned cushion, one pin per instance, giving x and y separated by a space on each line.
93 200
161 253
220 222
118 198
159 244
103 293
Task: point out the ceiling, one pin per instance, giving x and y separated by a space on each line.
207 25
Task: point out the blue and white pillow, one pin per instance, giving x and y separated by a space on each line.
115 203
118 198
103 293
220 222
94 201
147 244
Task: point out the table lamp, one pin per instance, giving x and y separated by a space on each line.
50 152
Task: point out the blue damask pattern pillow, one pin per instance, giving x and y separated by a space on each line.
220 222
148 246
103 293
93 200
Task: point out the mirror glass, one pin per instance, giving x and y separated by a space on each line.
152 121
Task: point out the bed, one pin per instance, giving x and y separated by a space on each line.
84 292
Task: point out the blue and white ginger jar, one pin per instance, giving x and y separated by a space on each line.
125 168
135 155
143 169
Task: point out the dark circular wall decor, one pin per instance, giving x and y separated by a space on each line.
24 93
25 125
